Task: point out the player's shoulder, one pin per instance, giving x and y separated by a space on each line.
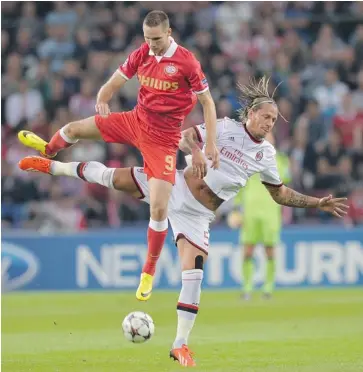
231 125
139 55
220 123
231 122
143 49
141 52
183 51
185 55
268 149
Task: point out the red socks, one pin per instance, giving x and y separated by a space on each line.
59 142
156 235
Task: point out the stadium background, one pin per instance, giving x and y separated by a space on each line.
55 56
59 234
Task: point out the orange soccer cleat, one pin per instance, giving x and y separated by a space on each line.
184 356
35 164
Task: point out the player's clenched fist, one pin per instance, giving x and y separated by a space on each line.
103 109
212 153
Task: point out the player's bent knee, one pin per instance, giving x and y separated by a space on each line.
72 130
193 258
158 213
190 262
83 129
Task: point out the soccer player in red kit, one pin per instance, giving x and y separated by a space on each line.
171 82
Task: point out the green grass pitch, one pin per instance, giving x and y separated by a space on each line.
300 330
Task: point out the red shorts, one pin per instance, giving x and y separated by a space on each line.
158 148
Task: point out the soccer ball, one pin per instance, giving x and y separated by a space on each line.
138 327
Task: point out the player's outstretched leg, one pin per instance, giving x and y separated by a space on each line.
188 303
63 138
92 172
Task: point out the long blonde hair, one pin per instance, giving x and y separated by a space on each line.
253 95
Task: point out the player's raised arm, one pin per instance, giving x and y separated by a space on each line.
199 84
119 78
113 84
210 118
285 196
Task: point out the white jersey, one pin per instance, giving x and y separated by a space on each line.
241 156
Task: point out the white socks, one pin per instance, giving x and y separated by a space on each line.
158 225
93 172
64 169
188 305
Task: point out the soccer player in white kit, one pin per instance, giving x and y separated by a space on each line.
195 197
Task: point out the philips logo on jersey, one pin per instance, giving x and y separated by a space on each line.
18 266
158 84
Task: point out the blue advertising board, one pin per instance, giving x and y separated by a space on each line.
113 260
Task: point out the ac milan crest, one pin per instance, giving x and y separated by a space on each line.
170 70
259 156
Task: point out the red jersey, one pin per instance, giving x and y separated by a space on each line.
346 126
169 85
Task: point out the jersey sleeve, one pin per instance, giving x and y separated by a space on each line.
270 175
196 77
129 67
201 130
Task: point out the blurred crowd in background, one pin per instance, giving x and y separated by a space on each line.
56 55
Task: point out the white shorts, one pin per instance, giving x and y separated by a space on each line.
188 218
